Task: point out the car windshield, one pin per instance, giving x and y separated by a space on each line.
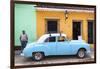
42 38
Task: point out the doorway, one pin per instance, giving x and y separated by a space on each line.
91 31
76 29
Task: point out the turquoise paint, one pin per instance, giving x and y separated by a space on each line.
25 19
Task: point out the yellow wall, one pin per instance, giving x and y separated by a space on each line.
41 20
79 16
65 26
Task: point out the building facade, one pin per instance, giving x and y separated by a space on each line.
73 21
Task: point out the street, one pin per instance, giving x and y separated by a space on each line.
20 60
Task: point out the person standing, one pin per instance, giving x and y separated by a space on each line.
23 40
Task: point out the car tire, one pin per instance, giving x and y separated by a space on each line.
81 53
37 56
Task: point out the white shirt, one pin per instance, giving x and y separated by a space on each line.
23 37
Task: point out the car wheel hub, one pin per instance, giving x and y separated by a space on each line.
81 54
38 56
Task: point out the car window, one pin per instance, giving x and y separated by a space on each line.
61 39
51 39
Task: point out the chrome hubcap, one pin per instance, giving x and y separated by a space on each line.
81 54
38 56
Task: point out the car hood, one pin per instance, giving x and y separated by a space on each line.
31 44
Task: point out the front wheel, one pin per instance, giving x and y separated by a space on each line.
81 53
38 56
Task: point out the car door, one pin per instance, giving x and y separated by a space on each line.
50 46
63 46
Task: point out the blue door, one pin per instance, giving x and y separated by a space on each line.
63 46
50 46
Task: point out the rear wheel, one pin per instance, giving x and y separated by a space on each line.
38 56
81 53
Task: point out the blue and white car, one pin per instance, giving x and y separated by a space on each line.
56 44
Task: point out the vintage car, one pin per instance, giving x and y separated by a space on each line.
56 44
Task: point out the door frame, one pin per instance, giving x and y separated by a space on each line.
58 24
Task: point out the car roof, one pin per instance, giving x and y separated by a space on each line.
55 34
42 38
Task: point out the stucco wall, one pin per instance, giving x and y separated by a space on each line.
79 16
42 16
65 26
25 19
